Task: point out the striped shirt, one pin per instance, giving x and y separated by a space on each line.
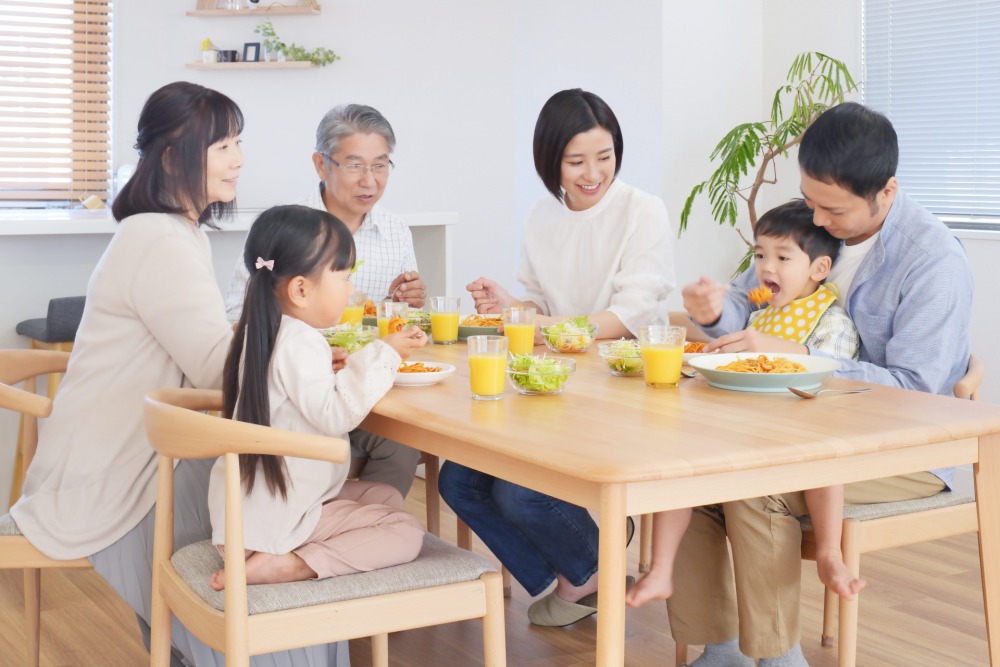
383 241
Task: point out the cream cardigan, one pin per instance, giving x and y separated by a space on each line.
154 318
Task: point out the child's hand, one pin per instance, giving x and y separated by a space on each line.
406 341
751 340
339 358
704 299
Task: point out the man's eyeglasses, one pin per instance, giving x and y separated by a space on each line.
355 169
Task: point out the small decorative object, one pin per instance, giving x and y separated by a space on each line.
251 52
273 45
209 54
228 56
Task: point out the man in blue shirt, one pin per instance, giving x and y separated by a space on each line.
908 287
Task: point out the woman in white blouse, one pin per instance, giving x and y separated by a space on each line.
596 247
154 318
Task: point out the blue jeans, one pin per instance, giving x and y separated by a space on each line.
534 535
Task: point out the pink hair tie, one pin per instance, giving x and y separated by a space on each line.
265 264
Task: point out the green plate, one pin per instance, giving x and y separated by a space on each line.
466 331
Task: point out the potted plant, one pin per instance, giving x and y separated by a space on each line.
814 83
274 48
209 54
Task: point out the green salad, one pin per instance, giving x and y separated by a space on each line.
622 356
571 335
351 337
419 318
537 374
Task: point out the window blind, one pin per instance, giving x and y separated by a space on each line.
55 76
933 67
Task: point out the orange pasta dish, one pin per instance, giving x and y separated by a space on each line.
693 347
417 367
760 295
481 321
370 309
763 364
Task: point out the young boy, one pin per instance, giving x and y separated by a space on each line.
792 258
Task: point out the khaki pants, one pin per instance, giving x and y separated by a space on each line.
755 596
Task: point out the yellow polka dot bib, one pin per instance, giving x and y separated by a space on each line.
796 321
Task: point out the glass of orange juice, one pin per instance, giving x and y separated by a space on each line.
444 319
487 366
662 349
354 312
389 310
519 328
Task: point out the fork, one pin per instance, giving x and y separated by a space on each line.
814 394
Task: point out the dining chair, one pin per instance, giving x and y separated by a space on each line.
880 526
444 583
16 552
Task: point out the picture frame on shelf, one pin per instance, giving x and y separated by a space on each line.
251 52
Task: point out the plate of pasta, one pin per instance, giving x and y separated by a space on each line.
417 373
478 325
774 372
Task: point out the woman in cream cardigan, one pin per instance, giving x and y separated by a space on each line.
154 318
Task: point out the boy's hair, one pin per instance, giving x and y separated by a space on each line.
565 115
851 146
177 125
795 220
301 241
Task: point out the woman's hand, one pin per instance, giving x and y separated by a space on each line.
409 287
704 299
408 340
489 296
751 340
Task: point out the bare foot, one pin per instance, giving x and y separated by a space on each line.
265 568
835 576
656 585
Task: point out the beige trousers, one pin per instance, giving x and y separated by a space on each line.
364 528
755 596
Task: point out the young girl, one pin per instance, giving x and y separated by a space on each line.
792 258
303 519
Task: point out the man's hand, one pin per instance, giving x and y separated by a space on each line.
339 358
704 299
489 296
409 287
751 340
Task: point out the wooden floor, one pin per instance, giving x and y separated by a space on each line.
923 607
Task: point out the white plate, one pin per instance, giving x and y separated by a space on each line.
423 379
817 368
688 356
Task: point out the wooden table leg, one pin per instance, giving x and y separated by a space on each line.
987 477
611 584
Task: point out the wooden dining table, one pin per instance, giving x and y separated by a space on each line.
619 448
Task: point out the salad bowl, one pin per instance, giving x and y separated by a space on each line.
572 335
351 337
539 375
622 357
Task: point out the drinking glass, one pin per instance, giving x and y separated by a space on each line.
487 366
354 312
662 349
519 328
444 319
388 310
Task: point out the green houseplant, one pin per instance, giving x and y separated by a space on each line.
814 83
273 44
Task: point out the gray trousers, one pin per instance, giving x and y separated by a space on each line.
127 565
385 460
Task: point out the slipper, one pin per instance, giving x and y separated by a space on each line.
591 600
553 612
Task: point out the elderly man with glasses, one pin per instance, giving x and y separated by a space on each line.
353 145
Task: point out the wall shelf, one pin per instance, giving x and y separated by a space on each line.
267 10
288 64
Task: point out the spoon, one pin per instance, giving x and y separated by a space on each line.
814 394
689 374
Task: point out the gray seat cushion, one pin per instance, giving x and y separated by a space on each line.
7 526
882 510
439 563
61 323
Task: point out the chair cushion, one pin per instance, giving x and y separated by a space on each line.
438 564
7 526
882 510
60 325
37 329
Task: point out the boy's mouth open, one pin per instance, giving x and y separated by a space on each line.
773 286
